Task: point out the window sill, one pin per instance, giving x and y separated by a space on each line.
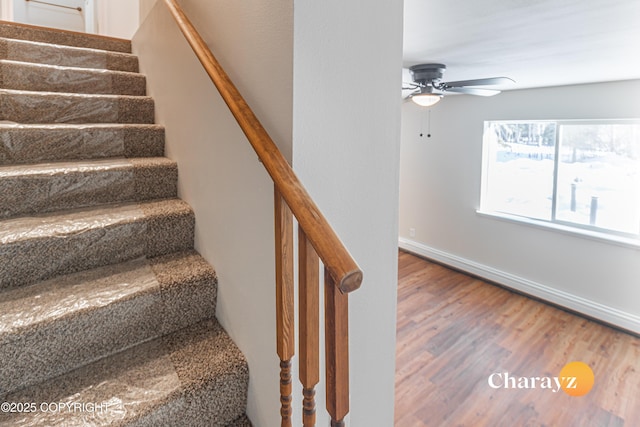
625 242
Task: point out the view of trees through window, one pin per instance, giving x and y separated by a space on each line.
580 173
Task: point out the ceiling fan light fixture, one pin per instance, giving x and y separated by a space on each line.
428 77
426 99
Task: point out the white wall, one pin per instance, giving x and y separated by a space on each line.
219 174
346 152
6 10
117 18
145 8
440 192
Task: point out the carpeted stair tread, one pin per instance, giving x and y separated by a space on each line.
57 325
42 247
14 30
54 78
52 54
32 143
47 187
51 107
243 421
193 377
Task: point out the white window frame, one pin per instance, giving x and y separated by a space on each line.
585 230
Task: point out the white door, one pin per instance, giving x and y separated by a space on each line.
63 14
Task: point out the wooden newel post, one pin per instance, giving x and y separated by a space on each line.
337 351
285 328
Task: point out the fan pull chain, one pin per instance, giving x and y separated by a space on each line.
428 124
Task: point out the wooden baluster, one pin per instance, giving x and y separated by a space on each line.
337 350
285 328
309 318
285 393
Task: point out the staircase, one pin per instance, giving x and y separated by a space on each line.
107 314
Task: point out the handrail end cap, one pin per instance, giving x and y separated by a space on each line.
351 282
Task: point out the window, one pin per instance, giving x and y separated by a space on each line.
584 174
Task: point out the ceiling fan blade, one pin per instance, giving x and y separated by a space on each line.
480 82
473 91
414 92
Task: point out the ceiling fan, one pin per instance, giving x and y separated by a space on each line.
428 88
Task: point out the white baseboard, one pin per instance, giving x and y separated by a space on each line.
572 302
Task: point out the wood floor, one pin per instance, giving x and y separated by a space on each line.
454 331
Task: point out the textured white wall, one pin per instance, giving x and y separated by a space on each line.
346 152
440 192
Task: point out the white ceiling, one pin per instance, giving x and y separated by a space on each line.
535 42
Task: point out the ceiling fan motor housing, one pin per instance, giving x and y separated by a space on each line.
427 73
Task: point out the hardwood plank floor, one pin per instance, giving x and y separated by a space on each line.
454 331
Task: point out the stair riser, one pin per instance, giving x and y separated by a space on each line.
155 309
61 188
39 53
34 107
26 260
40 144
13 30
21 76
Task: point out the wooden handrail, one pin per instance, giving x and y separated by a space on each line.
316 241
335 257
